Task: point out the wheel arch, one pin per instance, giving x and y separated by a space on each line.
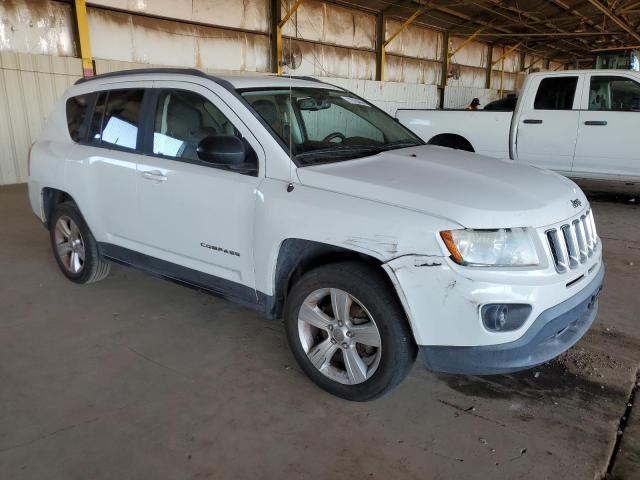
52 197
297 256
452 140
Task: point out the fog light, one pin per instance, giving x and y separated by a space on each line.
504 317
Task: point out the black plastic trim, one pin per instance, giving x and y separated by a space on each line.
139 71
220 287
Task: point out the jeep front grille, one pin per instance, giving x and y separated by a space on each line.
573 243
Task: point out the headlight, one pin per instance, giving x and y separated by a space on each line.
504 247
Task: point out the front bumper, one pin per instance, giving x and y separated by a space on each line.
554 331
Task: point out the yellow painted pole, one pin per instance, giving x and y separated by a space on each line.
466 41
83 36
281 24
383 56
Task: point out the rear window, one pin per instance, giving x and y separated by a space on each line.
77 109
556 93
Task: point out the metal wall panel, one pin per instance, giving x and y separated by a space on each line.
469 77
332 61
470 54
509 81
511 60
556 66
390 96
411 70
29 87
30 26
138 39
460 97
330 24
247 14
414 41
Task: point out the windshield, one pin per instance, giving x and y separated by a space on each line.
320 125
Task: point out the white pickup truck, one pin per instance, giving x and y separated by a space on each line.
581 123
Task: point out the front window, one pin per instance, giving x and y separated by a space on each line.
617 94
318 125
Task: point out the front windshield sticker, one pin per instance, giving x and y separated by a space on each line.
356 101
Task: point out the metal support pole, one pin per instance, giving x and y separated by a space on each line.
380 46
82 25
445 67
502 71
274 20
279 26
487 83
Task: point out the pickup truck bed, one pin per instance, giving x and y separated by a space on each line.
489 134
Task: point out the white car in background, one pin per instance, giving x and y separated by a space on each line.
307 203
580 123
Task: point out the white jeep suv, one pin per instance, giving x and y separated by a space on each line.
307 203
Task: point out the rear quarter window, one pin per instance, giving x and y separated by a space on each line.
77 110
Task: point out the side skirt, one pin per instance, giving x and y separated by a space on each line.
220 287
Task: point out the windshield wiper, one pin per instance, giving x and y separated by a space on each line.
399 144
332 153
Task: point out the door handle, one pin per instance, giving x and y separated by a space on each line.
155 175
596 123
532 121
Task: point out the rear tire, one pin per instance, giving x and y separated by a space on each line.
361 353
74 247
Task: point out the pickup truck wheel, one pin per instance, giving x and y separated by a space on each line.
74 247
348 332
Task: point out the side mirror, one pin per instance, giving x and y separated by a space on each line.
222 149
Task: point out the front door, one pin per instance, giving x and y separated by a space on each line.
609 122
548 123
196 214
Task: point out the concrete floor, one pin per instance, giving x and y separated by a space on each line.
135 377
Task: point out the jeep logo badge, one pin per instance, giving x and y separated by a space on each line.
576 203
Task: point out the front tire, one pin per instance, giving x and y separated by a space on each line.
74 247
348 331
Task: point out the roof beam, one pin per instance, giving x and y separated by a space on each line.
615 19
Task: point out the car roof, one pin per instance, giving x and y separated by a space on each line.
235 81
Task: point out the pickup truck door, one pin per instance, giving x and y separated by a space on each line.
195 214
547 122
609 124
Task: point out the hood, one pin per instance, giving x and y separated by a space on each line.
467 188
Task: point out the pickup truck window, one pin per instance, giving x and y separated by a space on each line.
318 125
556 93
610 93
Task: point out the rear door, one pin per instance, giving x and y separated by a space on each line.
547 124
193 213
112 150
609 125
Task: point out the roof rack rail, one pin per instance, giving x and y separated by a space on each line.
300 77
136 71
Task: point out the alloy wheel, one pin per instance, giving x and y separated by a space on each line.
69 245
339 336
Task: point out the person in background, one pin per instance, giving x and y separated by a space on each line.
474 104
